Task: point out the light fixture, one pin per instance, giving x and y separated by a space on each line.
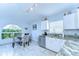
31 8
34 5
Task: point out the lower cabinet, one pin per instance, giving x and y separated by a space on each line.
54 44
42 41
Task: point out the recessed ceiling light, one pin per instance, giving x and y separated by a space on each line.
31 8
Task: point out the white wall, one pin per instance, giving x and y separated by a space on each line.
36 33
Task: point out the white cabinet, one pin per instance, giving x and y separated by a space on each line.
70 21
54 44
77 17
44 25
56 27
49 43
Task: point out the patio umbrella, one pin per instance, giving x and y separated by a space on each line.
10 30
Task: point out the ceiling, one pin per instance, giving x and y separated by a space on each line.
17 11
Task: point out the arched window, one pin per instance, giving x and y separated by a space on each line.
11 31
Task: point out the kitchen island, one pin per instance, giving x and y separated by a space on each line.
53 42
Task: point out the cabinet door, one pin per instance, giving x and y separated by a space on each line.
44 25
54 44
56 27
52 27
69 21
42 41
59 26
49 43
77 17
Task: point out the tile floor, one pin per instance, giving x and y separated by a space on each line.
32 50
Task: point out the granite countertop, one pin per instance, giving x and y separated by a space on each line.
71 37
66 37
59 36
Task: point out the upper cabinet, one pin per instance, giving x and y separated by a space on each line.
56 27
69 21
77 17
45 25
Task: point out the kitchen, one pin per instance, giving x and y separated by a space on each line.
53 29
62 30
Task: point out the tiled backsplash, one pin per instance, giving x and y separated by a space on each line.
55 36
73 32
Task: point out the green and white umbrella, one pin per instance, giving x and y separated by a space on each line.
10 30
